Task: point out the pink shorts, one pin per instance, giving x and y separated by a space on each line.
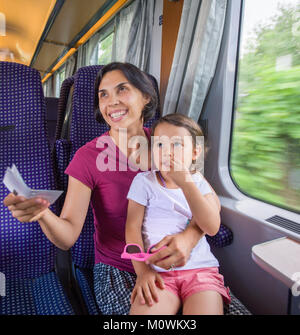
184 283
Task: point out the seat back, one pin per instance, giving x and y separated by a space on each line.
25 252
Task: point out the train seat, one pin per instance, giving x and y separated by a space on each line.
27 257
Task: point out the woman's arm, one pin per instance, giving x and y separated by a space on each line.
178 247
62 231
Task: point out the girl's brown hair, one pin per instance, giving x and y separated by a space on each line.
180 120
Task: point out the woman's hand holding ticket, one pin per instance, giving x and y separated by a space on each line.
26 210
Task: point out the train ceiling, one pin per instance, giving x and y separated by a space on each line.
38 33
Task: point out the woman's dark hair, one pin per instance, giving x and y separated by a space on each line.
135 77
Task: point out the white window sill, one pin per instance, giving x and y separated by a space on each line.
259 211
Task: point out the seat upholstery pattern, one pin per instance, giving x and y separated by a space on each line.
18 298
49 301
86 283
25 252
223 238
61 156
39 296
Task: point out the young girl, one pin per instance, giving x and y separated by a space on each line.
160 203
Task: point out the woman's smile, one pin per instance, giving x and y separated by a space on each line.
118 115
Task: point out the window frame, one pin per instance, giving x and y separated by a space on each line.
57 80
104 32
234 108
219 109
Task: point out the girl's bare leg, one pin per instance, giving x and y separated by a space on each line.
168 304
203 303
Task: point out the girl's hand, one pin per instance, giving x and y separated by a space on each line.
179 173
25 210
146 287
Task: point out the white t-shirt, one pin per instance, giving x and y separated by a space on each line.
166 213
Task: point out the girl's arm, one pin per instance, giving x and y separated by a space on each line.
145 288
204 208
133 231
215 197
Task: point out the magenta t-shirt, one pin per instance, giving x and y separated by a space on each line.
109 195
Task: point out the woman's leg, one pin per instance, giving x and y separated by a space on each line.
168 304
203 303
113 289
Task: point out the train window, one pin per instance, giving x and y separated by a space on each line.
265 155
105 50
59 78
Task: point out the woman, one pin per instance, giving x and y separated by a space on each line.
125 99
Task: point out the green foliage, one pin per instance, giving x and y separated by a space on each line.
266 139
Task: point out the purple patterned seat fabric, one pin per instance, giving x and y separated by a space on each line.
25 252
26 255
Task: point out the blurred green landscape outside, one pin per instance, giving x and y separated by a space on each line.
265 158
